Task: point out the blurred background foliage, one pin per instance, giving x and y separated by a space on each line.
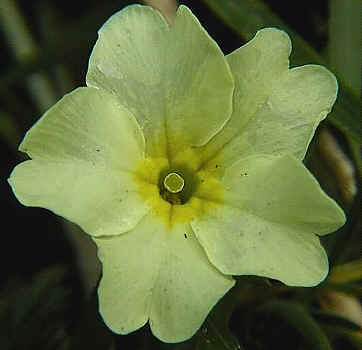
49 269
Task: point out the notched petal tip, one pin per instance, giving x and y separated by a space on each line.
129 61
341 217
18 183
113 318
275 36
272 42
331 82
183 333
316 274
323 85
337 216
183 11
332 216
131 10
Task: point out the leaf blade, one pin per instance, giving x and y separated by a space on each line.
299 319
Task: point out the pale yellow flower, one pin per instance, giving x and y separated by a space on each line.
184 165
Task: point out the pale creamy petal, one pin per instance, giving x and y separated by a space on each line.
281 189
287 121
82 150
174 78
100 200
256 67
160 275
240 243
275 110
87 125
187 288
130 265
273 209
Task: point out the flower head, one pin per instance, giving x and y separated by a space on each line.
184 165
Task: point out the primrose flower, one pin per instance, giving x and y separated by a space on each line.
185 167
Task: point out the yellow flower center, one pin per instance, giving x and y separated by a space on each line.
179 188
174 183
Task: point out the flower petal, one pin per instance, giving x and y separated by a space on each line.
281 189
101 201
186 290
287 121
273 208
275 110
174 78
130 265
255 67
82 149
160 275
88 125
239 243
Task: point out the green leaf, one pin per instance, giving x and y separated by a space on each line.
298 318
213 337
215 333
248 16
